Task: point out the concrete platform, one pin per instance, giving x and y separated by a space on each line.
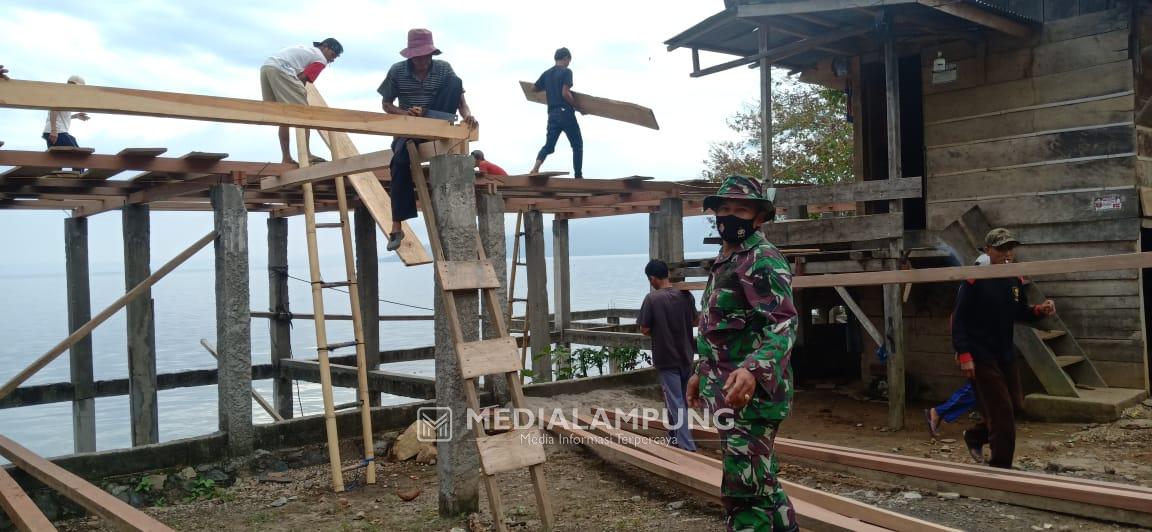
1102 405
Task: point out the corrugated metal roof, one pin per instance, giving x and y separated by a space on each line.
1007 8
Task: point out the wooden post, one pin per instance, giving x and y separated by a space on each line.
672 230
80 355
457 462
279 326
561 282
538 327
233 320
765 109
893 302
141 328
368 277
490 212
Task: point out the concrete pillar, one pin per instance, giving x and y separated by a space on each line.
279 328
490 211
561 281
141 328
671 230
368 282
80 354
458 464
233 318
539 327
654 232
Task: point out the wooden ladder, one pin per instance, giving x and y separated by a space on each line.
1050 349
323 348
506 451
512 299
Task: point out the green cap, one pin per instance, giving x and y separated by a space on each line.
1000 237
740 187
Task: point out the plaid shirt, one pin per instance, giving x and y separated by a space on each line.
748 321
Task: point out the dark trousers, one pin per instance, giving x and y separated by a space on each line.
997 386
563 120
63 139
674 381
402 189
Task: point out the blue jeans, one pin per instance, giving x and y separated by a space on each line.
563 120
674 381
960 403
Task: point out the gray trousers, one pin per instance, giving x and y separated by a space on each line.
674 381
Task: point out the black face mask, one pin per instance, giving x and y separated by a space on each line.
734 229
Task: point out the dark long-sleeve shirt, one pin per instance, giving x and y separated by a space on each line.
985 316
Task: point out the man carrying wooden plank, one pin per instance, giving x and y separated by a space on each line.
668 315
284 74
747 327
485 166
982 330
425 87
556 82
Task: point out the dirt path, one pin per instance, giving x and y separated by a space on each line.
590 495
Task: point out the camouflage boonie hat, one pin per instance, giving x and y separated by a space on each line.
1000 237
740 187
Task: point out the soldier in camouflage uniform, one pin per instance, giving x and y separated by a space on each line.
747 326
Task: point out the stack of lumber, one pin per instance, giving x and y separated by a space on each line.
816 510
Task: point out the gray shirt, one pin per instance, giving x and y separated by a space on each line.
670 314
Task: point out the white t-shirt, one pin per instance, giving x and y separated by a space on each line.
294 59
63 121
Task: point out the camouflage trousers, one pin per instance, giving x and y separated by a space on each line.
753 499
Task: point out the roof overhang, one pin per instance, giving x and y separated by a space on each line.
804 33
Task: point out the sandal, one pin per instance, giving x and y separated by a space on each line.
933 430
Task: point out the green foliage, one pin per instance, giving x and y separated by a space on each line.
811 139
144 486
203 488
579 363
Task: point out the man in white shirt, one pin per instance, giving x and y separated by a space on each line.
58 124
284 74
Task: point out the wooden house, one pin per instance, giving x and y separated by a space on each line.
1027 114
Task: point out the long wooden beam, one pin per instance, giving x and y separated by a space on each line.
21 510
881 189
1123 261
103 316
981 16
117 513
602 107
354 164
41 95
129 161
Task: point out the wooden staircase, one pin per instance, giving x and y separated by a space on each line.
1050 349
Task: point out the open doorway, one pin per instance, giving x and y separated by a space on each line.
874 131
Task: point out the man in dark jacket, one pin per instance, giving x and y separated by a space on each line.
986 312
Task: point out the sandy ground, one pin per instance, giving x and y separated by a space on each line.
589 494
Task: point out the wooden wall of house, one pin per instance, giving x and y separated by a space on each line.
1040 134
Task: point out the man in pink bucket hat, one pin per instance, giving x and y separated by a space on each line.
424 87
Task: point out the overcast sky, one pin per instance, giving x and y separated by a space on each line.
216 48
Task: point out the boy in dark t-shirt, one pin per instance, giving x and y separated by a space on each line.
668 315
556 82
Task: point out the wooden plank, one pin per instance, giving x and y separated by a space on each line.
488 357
508 451
1112 350
832 230
113 100
1020 95
861 317
139 162
80 363
1132 375
882 189
141 327
1112 110
1084 52
97 501
346 376
19 508
1071 175
1057 289
1076 143
340 167
466 275
1078 206
372 194
959 273
1084 25
602 107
